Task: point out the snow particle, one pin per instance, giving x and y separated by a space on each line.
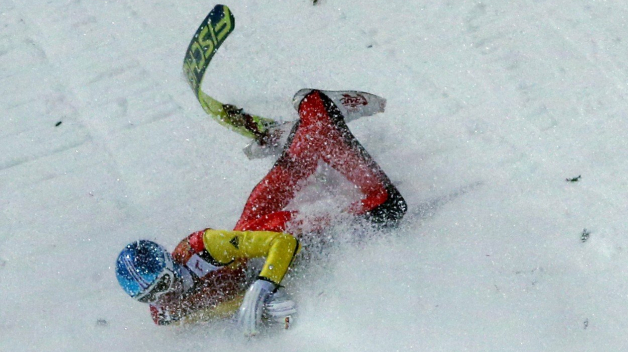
101 322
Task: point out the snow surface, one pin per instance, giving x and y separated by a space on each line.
492 106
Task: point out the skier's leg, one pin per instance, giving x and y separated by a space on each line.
321 133
382 203
278 187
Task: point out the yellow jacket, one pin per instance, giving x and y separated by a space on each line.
205 252
226 247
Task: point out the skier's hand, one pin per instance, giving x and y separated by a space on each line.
250 313
280 307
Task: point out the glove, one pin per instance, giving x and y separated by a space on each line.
280 309
250 313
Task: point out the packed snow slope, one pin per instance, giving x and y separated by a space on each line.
505 131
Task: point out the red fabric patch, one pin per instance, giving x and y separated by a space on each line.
272 222
156 315
188 247
196 241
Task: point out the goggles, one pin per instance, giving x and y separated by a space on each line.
163 284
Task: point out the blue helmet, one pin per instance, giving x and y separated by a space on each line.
145 270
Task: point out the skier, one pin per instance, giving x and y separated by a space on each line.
206 275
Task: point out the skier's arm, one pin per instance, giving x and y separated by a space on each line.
279 249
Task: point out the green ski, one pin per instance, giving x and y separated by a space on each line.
212 32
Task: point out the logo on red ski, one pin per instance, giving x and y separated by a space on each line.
353 102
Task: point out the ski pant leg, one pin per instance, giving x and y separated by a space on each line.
383 204
280 185
322 134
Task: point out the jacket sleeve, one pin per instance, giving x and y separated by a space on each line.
279 249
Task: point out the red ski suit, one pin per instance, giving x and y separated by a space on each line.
321 133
